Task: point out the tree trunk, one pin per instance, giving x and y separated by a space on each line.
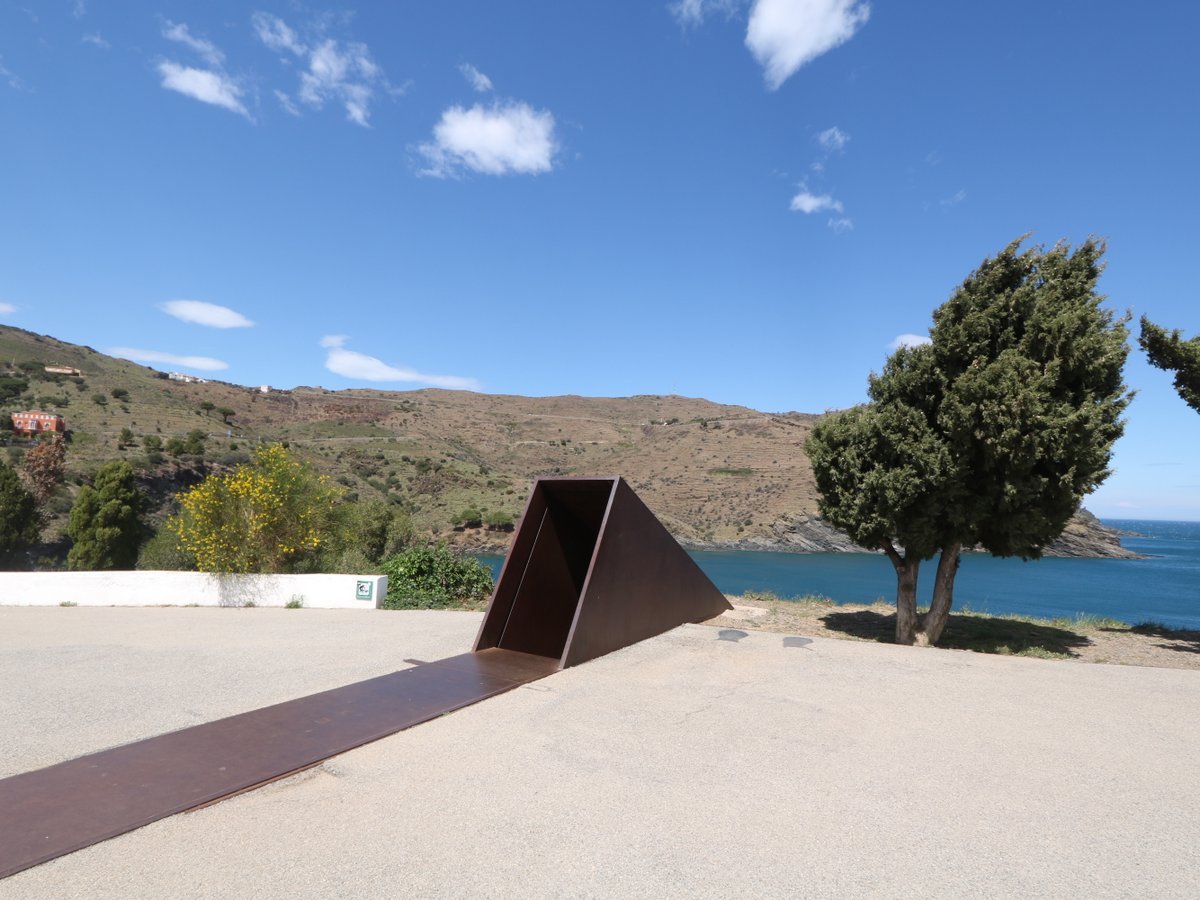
934 622
906 594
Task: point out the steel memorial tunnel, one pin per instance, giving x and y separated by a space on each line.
590 570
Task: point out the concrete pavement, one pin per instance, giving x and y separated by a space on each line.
687 765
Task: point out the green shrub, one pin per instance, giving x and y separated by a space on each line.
434 578
499 521
162 553
468 518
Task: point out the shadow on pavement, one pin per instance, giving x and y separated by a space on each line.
1180 641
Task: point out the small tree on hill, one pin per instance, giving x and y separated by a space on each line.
226 413
43 467
18 515
989 436
1168 350
105 522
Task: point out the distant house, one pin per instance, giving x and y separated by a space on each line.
63 370
186 379
34 422
264 389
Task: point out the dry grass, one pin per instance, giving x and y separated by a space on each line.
1084 639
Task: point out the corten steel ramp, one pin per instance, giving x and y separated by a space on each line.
590 570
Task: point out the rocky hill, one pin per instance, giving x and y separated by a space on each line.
717 475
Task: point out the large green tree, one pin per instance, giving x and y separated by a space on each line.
1168 350
19 525
105 523
988 436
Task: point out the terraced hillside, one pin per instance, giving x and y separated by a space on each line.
712 473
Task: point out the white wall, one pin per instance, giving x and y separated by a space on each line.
189 588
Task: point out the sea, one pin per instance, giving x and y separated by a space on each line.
1163 588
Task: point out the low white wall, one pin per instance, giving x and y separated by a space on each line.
189 589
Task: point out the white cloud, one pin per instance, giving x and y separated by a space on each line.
199 363
96 40
507 138
334 72
7 309
200 313
810 203
201 84
14 82
360 367
341 73
833 140
79 9
784 35
207 49
286 102
840 225
475 78
694 12
276 34
909 340
959 196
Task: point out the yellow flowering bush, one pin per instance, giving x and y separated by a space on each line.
264 516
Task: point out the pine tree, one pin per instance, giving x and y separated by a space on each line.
989 436
105 522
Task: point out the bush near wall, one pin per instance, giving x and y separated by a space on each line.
435 578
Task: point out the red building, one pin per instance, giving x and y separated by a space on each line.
37 422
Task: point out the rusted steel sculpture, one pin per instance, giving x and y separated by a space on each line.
590 570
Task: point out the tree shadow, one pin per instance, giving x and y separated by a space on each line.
983 634
1180 640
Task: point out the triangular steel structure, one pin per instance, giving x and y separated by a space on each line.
591 570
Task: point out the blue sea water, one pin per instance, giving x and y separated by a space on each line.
1165 588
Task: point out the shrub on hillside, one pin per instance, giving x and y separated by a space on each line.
434 578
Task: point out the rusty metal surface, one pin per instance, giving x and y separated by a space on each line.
65 807
591 570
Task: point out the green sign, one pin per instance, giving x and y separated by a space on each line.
365 591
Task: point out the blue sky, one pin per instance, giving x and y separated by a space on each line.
743 201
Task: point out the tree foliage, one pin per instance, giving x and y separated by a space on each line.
434 578
43 467
269 515
105 523
990 435
1169 351
18 515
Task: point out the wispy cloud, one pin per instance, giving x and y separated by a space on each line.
206 86
475 78
956 198
277 34
840 225
7 309
909 340
11 77
335 72
96 40
833 140
286 102
200 313
784 35
360 367
199 363
690 13
809 203
206 49
503 139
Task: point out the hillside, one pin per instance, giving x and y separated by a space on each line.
715 474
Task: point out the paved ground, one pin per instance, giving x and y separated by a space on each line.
685 766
